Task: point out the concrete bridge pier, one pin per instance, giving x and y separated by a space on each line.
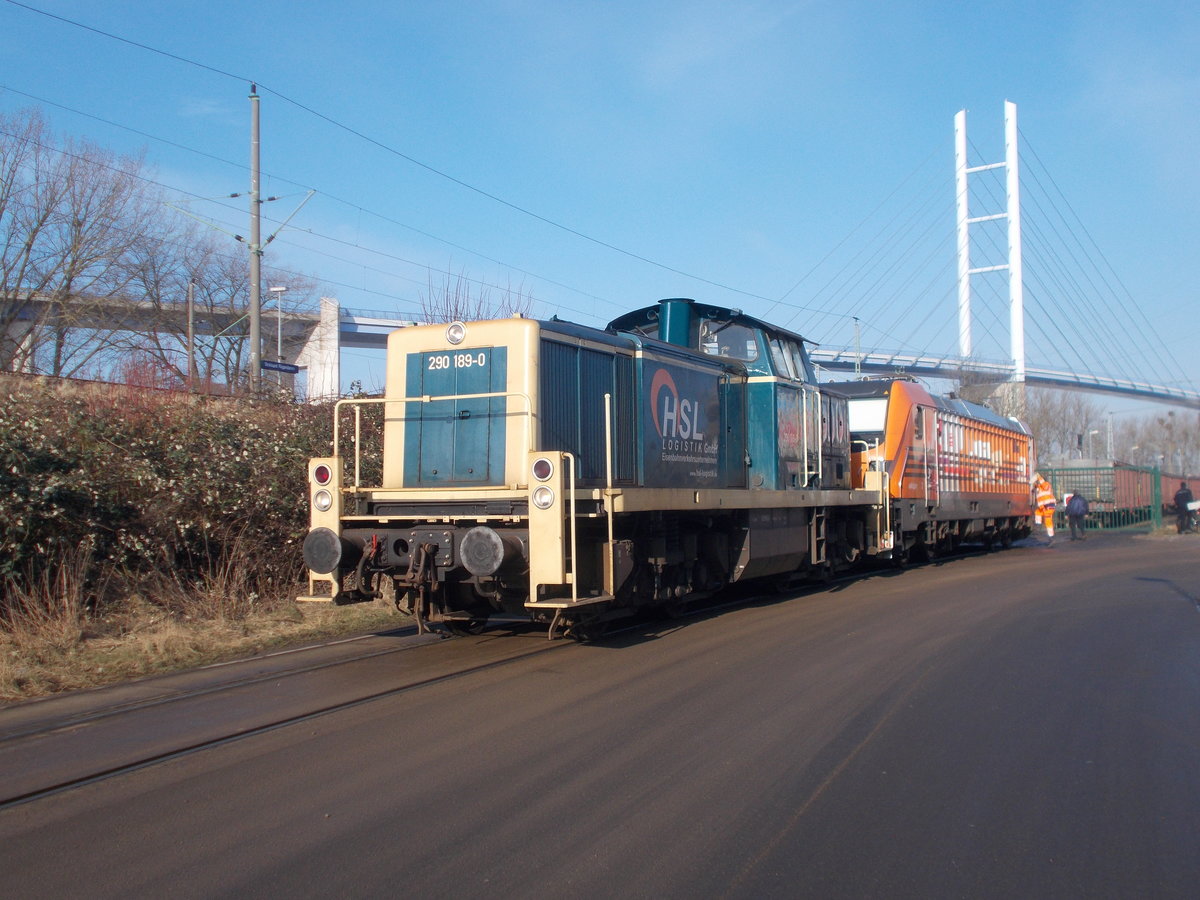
318 352
16 347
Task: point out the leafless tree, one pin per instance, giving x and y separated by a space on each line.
460 299
1070 424
95 270
1063 421
1169 440
71 216
219 279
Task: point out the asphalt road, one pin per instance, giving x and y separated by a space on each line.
1022 724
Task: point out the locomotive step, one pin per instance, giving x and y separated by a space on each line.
567 602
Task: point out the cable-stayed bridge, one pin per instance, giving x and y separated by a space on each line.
916 308
367 329
313 342
877 362
1025 295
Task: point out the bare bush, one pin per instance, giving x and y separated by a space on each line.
176 483
51 609
460 299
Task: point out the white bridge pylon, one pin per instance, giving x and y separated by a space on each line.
1012 212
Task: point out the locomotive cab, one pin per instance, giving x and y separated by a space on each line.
805 443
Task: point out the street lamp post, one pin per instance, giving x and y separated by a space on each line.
279 291
255 311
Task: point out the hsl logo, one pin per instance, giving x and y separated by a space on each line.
673 418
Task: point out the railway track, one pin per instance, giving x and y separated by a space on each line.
66 743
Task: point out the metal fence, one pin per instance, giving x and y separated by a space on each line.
1118 495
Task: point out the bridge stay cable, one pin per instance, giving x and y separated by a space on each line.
1087 297
1123 304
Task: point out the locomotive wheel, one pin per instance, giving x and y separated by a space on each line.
467 614
587 632
675 609
465 627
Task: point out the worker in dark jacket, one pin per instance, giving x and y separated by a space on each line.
1077 510
1183 514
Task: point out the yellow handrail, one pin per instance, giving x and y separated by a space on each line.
358 402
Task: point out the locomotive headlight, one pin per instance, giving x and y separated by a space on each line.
543 497
543 469
323 500
456 332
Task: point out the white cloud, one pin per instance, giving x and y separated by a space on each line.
708 44
203 108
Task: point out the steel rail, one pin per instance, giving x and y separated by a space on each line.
67 784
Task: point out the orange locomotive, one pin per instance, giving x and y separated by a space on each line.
955 471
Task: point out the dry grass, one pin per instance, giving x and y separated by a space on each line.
54 641
186 543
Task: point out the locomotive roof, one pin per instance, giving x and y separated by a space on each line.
857 390
648 314
582 332
872 387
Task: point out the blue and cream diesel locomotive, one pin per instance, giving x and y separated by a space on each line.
576 475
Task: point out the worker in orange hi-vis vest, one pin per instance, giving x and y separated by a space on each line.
1045 505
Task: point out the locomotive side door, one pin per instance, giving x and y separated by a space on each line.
735 455
933 446
925 446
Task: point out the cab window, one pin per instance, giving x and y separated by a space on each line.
647 330
782 358
801 364
728 339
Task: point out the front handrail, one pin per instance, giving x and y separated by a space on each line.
611 586
574 517
358 402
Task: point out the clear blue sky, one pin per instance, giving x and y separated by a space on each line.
729 150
